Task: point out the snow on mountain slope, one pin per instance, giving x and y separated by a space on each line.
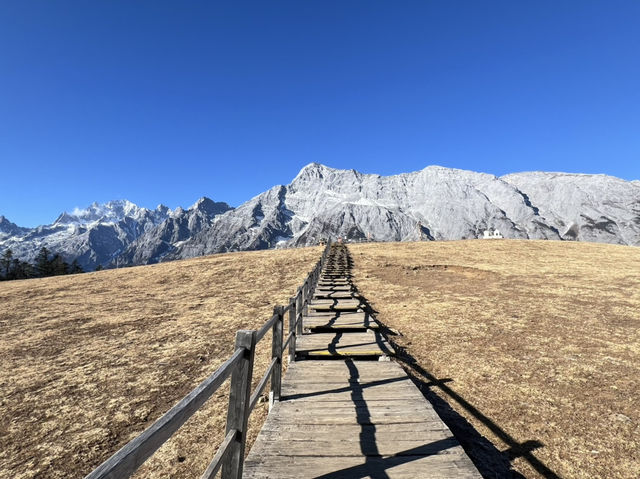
434 203
95 235
181 225
9 229
595 208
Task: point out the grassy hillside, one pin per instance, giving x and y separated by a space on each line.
88 361
536 344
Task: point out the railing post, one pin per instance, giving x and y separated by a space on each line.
293 316
238 410
305 297
276 353
299 324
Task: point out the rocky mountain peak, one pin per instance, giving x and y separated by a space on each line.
210 207
9 228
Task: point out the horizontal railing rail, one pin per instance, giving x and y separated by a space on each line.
230 454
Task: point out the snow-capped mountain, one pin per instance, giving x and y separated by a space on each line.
435 203
95 235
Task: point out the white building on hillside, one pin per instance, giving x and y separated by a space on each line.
495 234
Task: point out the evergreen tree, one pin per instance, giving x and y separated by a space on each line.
99 267
21 270
58 266
43 265
75 267
5 263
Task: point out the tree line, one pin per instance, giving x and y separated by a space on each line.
45 265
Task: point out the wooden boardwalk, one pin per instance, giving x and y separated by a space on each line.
346 411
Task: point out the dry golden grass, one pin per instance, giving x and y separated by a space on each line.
89 361
542 338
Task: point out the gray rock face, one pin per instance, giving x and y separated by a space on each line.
435 203
596 208
8 229
163 239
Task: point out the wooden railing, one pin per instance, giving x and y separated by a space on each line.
230 454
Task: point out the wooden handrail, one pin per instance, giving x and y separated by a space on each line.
266 327
262 384
216 462
230 454
124 462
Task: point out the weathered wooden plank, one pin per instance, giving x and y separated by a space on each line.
337 287
337 308
314 377
344 344
339 320
335 294
238 409
434 466
333 302
368 445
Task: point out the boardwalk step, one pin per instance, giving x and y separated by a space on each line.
320 321
357 344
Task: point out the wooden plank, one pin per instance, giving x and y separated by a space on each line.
373 444
344 344
348 432
347 302
335 294
342 372
431 466
321 288
339 320
337 305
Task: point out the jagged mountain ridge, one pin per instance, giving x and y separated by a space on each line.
181 225
435 203
101 233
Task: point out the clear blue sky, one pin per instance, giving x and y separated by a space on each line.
167 101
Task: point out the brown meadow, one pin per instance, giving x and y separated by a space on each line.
533 345
89 361
540 341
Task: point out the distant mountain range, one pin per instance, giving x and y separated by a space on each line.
435 203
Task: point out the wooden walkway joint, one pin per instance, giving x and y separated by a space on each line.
345 411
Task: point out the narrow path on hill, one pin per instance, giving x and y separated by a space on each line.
346 410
